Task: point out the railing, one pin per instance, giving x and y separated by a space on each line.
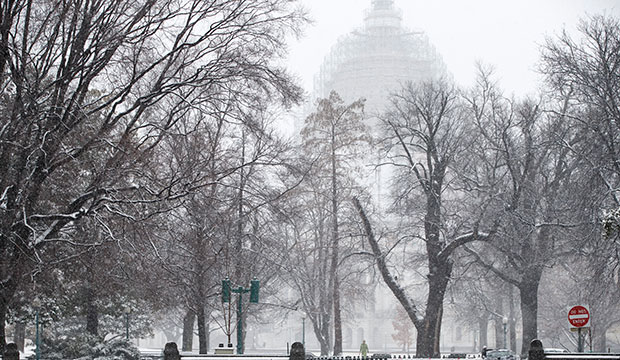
373 357
537 352
158 355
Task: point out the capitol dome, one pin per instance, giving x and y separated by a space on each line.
375 59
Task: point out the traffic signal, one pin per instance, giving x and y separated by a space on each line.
226 290
254 286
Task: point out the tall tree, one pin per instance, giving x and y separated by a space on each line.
585 70
334 137
521 164
425 135
86 78
219 231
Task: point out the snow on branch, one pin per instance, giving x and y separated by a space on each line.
59 220
4 196
462 240
389 280
71 217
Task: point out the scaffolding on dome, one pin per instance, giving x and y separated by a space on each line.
373 60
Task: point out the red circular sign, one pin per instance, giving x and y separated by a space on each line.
578 316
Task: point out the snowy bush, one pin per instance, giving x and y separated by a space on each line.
88 347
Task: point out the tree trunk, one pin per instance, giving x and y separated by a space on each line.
202 331
528 291
323 337
208 333
92 312
188 330
437 347
483 323
498 322
600 344
9 272
335 255
497 330
324 347
429 332
439 269
321 321
424 341
19 336
3 310
337 320
511 320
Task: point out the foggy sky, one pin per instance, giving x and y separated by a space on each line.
505 34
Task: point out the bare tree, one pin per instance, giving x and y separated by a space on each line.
221 230
333 144
335 133
425 134
528 173
89 90
585 70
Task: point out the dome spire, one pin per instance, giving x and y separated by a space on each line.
383 14
382 4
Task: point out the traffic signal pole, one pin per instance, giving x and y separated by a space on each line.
240 291
253 290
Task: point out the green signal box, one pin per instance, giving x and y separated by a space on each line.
226 290
254 287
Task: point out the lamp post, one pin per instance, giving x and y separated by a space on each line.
37 337
127 310
303 330
505 322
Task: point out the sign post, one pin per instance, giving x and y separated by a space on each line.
579 318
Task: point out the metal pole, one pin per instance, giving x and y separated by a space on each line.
127 326
505 323
303 331
127 311
579 341
37 336
240 323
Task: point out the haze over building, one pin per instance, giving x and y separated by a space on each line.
376 58
371 62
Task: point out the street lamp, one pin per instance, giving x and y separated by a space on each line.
303 330
36 303
127 310
505 322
